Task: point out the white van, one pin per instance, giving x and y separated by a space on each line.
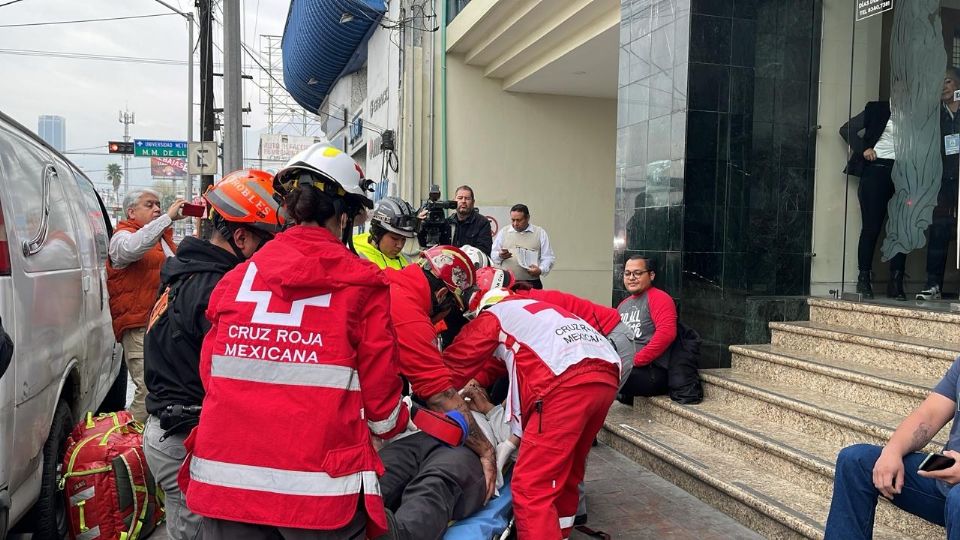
54 305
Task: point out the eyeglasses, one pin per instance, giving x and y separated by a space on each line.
634 274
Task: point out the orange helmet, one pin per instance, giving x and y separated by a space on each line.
247 197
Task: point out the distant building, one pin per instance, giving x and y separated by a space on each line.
53 129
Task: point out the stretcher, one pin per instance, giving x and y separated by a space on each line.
492 521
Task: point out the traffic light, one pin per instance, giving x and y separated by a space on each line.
120 147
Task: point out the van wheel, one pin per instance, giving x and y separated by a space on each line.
50 512
116 398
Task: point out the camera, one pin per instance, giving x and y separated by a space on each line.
434 229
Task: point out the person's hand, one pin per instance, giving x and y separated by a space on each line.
950 475
504 254
870 154
479 401
422 215
174 210
888 474
534 270
489 464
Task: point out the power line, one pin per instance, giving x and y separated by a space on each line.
246 49
10 2
91 56
86 56
48 23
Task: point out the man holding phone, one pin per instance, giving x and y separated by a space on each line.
865 471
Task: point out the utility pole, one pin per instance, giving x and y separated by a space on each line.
207 118
126 118
232 88
189 17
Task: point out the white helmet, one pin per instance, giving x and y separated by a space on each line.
321 163
486 299
479 258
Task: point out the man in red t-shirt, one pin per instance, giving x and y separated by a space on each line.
652 316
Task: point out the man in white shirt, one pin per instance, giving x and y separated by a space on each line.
523 249
140 245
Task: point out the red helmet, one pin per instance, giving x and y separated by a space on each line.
489 277
452 267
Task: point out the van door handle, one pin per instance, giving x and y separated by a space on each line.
86 283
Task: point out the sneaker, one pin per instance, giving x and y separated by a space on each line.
930 293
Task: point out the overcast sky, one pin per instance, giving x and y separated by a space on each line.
90 93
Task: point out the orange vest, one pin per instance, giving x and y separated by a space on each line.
133 289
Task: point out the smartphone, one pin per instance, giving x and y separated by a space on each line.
936 462
195 210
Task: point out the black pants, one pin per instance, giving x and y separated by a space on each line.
649 380
534 283
941 229
427 484
874 192
219 529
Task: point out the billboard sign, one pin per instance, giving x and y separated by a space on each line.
171 168
277 147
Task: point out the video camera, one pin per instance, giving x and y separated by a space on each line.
435 230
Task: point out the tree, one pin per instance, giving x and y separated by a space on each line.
167 192
115 176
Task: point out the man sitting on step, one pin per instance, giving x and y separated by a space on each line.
865 471
652 315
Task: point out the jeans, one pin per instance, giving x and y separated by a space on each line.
854 503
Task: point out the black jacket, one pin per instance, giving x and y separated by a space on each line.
683 376
872 121
171 347
474 231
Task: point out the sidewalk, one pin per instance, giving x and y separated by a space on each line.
627 501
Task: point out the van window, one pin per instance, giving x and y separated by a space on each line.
93 213
23 165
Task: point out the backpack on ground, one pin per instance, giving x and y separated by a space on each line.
109 490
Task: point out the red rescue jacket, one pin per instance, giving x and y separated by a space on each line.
420 360
537 344
603 318
284 436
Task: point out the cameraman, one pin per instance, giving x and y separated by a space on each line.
468 226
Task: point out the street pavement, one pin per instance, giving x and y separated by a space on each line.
629 502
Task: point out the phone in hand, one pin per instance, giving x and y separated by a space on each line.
194 210
936 462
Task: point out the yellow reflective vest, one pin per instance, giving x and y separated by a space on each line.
368 251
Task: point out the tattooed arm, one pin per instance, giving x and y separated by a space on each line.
911 435
449 400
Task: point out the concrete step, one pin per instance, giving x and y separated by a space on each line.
835 421
910 320
853 381
743 488
808 462
903 354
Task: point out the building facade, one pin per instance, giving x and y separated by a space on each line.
53 130
702 133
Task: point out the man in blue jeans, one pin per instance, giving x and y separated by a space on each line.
865 471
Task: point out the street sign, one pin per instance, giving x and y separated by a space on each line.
148 148
202 157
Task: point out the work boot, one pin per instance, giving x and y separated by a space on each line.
895 286
931 292
863 284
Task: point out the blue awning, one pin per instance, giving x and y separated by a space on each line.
324 40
